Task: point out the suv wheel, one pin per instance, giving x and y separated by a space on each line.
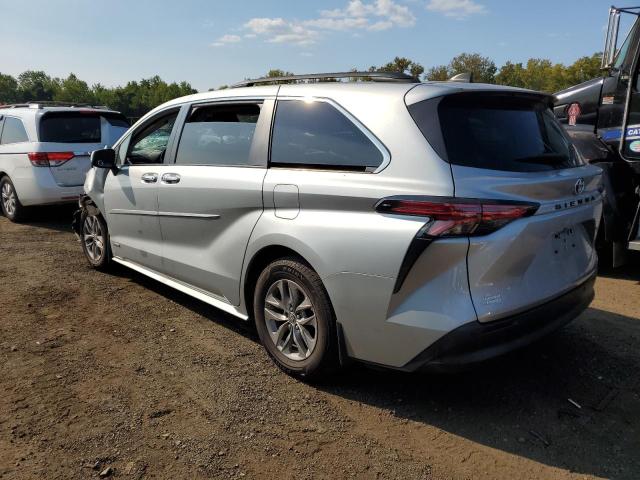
294 319
11 206
94 237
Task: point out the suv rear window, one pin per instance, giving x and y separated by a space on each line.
496 132
77 127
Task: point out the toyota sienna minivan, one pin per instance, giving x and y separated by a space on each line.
402 224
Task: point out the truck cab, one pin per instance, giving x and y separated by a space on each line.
602 116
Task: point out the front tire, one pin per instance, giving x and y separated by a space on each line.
94 237
11 206
294 319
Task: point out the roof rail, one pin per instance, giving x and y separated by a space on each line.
49 103
371 76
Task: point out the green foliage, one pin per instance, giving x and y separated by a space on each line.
542 74
134 99
402 65
8 89
482 68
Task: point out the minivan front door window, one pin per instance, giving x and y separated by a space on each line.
150 144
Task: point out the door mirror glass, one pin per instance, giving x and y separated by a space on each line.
105 158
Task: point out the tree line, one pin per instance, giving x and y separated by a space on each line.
134 99
138 97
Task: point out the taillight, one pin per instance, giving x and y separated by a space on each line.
49 159
452 217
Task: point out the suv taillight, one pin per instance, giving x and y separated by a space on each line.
453 217
49 159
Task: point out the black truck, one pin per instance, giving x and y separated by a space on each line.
603 118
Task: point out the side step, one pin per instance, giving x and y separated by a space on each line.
634 245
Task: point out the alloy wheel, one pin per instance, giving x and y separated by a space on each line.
94 240
9 199
290 319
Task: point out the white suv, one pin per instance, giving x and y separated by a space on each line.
44 152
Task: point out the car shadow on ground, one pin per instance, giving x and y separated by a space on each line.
521 403
629 271
53 217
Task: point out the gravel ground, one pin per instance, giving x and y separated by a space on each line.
116 375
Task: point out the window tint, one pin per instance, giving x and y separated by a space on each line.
218 135
13 131
70 127
317 134
149 144
517 134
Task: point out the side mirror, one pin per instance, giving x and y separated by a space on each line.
105 158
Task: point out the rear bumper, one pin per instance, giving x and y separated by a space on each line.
36 186
476 342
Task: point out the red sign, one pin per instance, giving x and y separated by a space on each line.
573 112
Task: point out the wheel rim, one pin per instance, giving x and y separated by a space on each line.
8 199
93 238
290 319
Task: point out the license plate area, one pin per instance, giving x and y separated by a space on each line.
565 240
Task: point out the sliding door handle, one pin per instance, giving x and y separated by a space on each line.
170 178
149 177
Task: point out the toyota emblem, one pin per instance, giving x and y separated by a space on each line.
578 188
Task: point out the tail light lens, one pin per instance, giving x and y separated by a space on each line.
49 159
458 217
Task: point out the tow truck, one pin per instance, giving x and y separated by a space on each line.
602 116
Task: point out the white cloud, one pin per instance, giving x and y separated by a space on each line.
375 15
226 39
279 30
359 14
456 8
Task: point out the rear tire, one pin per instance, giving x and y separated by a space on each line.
11 206
94 238
294 319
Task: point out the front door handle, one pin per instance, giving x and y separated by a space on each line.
149 177
170 178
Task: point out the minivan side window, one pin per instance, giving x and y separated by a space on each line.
13 131
218 134
148 145
317 135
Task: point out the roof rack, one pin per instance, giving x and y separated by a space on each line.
49 103
372 76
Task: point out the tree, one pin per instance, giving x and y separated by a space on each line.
8 89
483 69
511 74
439 73
37 85
583 69
72 89
402 65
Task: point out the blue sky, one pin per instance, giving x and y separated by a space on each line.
210 43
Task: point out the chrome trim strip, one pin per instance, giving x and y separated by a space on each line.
149 213
208 216
121 211
183 287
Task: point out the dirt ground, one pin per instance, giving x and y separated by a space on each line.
119 375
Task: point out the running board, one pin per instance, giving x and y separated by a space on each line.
183 287
634 245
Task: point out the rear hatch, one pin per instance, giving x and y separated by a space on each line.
67 138
508 147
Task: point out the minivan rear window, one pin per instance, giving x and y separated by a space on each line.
77 127
496 132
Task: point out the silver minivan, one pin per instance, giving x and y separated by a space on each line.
45 148
402 224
